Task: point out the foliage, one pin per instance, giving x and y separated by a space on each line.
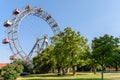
114 59
70 49
44 61
103 47
66 51
12 71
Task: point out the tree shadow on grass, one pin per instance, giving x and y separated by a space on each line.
53 75
72 79
61 77
48 75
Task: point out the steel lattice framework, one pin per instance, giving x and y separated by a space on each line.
14 23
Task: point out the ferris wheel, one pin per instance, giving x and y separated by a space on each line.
12 32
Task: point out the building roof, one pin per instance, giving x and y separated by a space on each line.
3 64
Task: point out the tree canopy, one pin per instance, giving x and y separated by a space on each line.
67 52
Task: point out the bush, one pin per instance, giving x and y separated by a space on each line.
12 71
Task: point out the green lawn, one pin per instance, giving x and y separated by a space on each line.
79 76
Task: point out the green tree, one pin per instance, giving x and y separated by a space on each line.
102 48
93 64
114 60
44 61
12 71
69 49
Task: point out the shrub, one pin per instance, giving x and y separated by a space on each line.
12 71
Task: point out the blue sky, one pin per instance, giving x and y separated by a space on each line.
93 18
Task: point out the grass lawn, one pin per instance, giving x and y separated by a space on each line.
79 76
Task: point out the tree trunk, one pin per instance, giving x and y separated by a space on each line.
74 70
68 70
102 71
59 71
116 67
94 69
63 71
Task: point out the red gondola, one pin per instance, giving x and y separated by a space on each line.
40 10
48 17
13 57
5 41
28 7
55 25
16 11
7 23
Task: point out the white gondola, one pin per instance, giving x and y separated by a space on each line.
5 41
13 57
16 11
40 10
28 7
7 23
55 25
48 17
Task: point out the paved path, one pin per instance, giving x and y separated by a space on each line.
118 78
